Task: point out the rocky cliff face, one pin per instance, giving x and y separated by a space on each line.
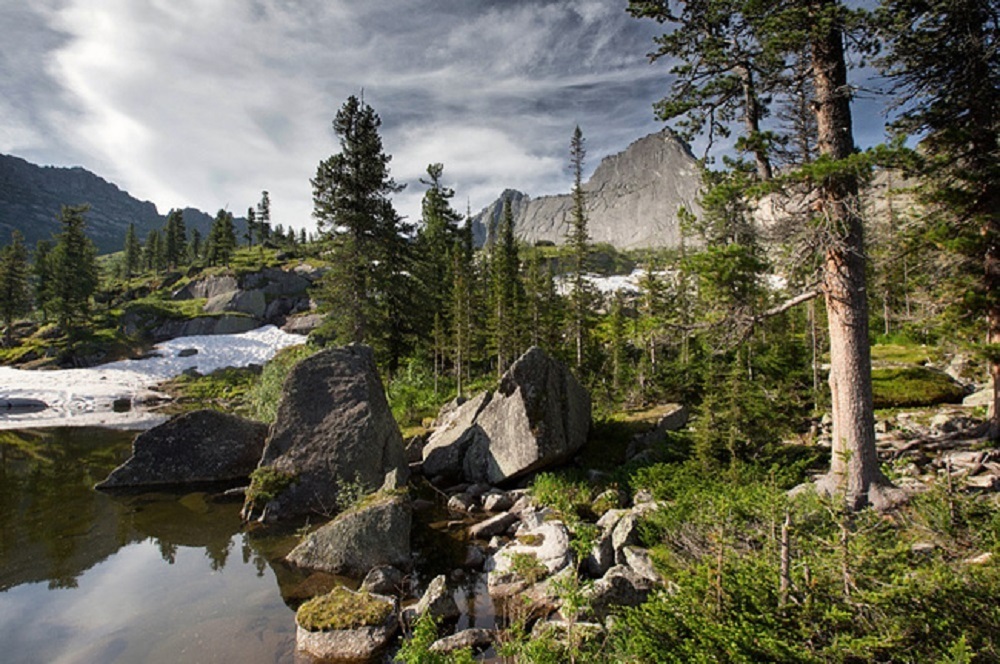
632 199
31 196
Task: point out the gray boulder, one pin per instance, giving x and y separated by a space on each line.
250 302
547 543
454 432
333 428
539 416
303 324
374 534
437 600
198 447
475 638
207 288
621 586
383 580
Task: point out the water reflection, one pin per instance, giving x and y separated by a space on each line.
89 577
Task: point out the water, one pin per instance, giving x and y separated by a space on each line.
155 577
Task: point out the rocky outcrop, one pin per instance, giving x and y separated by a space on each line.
360 539
539 416
333 429
197 447
632 199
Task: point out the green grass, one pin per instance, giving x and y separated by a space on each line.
895 387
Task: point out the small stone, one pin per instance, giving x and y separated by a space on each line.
475 638
461 502
383 580
493 526
498 501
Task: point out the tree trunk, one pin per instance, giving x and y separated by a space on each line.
854 466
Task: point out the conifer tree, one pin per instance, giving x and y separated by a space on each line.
251 226
507 290
725 41
368 286
437 240
42 273
581 296
73 265
15 291
194 248
174 239
221 239
944 62
133 252
153 251
264 218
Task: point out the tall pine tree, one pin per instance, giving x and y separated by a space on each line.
73 270
367 287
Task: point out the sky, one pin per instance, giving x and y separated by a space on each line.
206 103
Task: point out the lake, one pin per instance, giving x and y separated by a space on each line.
154 577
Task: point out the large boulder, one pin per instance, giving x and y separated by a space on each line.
198 447
373 534
539 416
333 430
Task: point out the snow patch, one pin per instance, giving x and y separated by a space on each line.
87 397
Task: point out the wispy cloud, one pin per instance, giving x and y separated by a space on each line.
207 102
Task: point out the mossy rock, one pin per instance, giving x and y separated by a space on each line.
895 387
346 626
343 609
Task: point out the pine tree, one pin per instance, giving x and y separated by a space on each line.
42 273
153 251
436 242
194 248
264 218
222 239
368 286
251 226
174 239
944 62
73 265
507 291
726 41
15 291
133 252
581 296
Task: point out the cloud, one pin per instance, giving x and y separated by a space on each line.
208 102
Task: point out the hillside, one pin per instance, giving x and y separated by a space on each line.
31 196
632 199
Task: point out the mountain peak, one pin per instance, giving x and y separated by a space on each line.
632 199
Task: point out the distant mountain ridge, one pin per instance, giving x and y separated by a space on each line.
632 199
31 196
